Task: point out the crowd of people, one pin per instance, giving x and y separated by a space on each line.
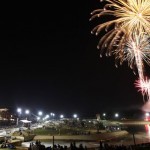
142 146
102 146
38 146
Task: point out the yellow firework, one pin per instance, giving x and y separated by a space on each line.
128 16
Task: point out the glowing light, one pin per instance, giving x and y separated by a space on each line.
52 114
104 114
147 114
38 118
116 115
40 113
61 116
75 116
27 111
19 110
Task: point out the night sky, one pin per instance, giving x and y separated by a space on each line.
49 61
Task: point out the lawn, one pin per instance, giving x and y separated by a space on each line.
60 131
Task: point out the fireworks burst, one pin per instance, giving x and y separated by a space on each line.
135 52
126 35
144 87
130 16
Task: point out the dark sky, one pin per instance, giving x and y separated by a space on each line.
49 61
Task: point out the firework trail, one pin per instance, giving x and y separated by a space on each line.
137 51
138 48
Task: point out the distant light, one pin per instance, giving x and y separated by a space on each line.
104 114
147 114
19 110
27 111
38 118
47 116
61 116
75 116
40 113
116 115
52 114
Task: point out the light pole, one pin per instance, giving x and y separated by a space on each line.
53 115
104 115
19 110
27 112
40 113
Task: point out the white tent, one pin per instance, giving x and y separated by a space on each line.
25 121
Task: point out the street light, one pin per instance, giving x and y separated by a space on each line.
27 112
116 115
75 116
19 110
61 116
104 114
52 114
40 113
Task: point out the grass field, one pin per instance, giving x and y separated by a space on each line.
61 131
